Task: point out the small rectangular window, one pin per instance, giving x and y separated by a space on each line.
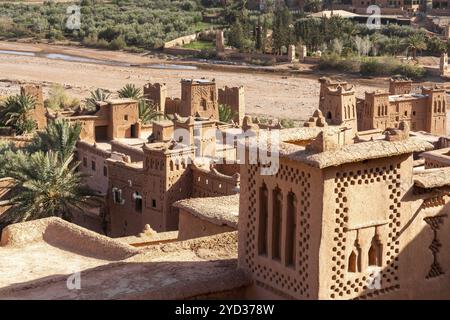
153 203
117 196
125 117
138 202
93 165
105 171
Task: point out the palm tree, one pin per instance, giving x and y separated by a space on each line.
96 96
46 187
59 136
148 111
15 112
416 42
6 147
130 91
225 113
395 45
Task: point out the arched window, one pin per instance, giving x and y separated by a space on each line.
137 201
277 201
171 165
291 227
263 220
354 260
375 253
379 110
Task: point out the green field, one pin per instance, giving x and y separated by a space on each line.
200 45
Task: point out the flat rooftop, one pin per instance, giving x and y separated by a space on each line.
433 178
440 155
405 97
36 259
293 144
199 81
354 152
132 142
217 210
120 101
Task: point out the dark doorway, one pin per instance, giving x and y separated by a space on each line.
133 131
101 133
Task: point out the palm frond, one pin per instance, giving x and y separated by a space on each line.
130 91
96 96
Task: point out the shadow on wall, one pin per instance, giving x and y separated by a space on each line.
420 271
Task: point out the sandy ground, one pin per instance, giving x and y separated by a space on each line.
49 258
38 257
270 95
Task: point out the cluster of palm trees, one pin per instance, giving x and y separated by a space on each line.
15 112
47 182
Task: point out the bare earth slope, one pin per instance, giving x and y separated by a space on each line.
266 94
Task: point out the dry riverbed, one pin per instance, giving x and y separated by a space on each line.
267 95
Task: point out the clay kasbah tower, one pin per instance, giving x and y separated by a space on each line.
225 159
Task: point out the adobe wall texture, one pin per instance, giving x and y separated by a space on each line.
133 151
371 233
235 99
122 116
199 98
280 267
207 183
424 112
191 227
123 215
93 163
38 113
172 105
157 94
65 235
364 229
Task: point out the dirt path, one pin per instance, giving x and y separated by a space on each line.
268 95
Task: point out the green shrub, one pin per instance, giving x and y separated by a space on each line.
206 54
411 71
379 66
369 67
287 123
335 62
388 66
117 44
58 99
